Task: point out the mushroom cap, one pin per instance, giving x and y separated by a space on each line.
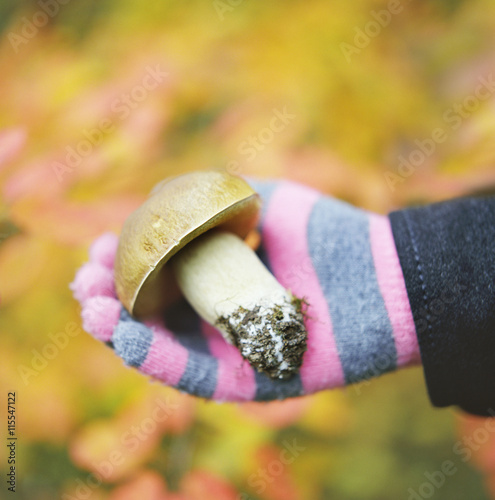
177 211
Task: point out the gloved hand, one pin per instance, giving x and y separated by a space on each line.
340 259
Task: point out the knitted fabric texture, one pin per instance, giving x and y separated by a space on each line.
447 251
340 259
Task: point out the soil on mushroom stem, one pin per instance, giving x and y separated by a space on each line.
273 339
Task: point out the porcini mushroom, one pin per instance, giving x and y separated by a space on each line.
190 233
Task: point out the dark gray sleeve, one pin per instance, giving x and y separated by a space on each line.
447 254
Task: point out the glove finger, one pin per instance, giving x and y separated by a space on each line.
235 378
155 351
93 280
103 250
220 374
100 315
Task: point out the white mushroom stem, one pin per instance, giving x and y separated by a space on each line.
218 273
228 285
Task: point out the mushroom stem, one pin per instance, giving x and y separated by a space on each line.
228 286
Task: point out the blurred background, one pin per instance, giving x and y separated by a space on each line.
384 104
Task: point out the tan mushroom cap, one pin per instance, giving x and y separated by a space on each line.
177 211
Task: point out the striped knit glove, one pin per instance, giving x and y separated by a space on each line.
340 259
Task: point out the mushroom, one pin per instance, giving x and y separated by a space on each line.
188 235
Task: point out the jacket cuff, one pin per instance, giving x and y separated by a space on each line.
447 254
